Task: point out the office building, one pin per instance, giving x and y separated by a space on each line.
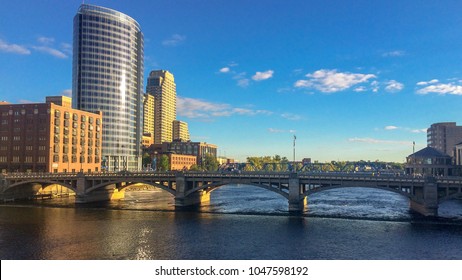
148 115
107 76
180 131
49 137
444 137
161 85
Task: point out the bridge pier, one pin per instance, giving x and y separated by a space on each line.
111 192
181 200
428 206
296 203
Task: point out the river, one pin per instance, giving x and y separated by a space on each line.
240 222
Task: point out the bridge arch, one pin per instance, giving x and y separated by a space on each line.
43 183
325 188
216 185
129 184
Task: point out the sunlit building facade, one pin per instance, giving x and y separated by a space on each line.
107 76
161 85
180 131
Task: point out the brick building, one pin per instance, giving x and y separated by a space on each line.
49 137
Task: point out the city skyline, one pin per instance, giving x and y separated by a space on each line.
351 79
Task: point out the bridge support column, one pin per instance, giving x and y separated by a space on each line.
296 203
429 205
109 193
181 200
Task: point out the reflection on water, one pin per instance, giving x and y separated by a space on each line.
239 222
359 203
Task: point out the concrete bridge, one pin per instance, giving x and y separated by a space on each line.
192 188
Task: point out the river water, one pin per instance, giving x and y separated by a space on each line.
239 222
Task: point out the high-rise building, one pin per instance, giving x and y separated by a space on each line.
161 85
444 137
148 115
180 131
107 76
49 137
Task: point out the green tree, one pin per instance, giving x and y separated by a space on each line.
194 167
146 159
163 164
209 163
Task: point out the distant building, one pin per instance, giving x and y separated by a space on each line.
161 85
107 76
429 162
197 149
180 131
49 137
181 162
444 137
148 140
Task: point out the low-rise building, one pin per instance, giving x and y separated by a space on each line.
429 162
49 137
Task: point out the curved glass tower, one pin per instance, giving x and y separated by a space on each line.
107 76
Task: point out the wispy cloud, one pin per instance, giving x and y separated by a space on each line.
51 51
291 117
407 129
260 76
275 130
329 81
13 48
46 40
393 86
395 53
424 83
174 40
378 141
204 110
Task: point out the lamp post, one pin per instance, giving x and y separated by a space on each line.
294 169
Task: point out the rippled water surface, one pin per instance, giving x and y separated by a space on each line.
239 222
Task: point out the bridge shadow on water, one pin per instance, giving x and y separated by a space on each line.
344 203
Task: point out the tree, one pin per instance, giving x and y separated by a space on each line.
164 163
210 163
146 159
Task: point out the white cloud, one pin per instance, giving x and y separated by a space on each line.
395 53
275 130
225 70
260 76
243 82
442 89
46 40
390 127
50 51
291 117
422 130
66 92
13 48
394 86
424 83
174 40
200 109
378 141
329 81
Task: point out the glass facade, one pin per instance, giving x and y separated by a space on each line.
108 77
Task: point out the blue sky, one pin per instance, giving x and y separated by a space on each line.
351 79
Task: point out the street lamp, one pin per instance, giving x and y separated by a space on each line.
294 169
